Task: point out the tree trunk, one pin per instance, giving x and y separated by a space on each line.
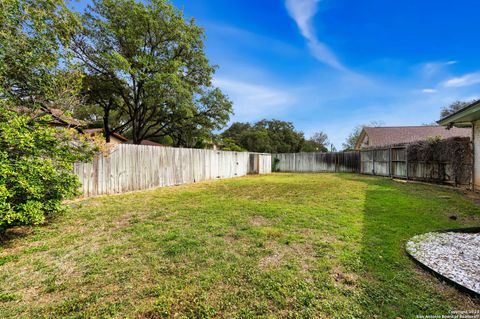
106 127
136 133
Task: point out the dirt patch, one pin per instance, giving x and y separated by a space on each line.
306 253
470 218
230 239
473 196
302 254
343 278
271 261
259 221
309 234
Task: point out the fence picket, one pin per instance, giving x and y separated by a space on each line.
136 167
318 162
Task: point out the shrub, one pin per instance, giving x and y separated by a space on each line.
36 167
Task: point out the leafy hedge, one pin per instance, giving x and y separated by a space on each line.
36 165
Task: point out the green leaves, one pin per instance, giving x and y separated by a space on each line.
270 136
155 64
36 73
34 35
36 165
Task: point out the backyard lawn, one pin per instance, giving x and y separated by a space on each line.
281 245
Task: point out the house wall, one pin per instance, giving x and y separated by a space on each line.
362 141
115 140
476 155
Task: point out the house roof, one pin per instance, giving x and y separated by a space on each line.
147 142
61 118
463 117
92 131
382 136
58 115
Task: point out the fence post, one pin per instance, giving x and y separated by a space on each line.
390 162
336 162
472 139
359 162
294 163
406 162
373 162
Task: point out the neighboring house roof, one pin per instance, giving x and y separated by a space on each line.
147 142
463 117
382 136
92 131
59 116
64 120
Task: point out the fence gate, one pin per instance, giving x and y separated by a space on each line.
399 162
366 165
253 164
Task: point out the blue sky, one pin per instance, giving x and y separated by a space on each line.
329 65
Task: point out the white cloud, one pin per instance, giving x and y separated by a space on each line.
429 69
253 101
465 80
303 11
434 68
429 91
246 39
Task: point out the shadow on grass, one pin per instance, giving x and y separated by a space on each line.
10 234
15 232
392 285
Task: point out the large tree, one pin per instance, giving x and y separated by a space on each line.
270 136
154 61
236 131
318 142
35 68
454 107
351 140
102 106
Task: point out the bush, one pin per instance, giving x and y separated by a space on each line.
36 167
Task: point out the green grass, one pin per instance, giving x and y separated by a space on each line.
283 245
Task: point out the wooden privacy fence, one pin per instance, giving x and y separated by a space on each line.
393 162
317 162
137 167
389 161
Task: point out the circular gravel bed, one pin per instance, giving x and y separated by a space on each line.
453 255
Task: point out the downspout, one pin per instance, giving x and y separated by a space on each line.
473 156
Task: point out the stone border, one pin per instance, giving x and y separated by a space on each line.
441 277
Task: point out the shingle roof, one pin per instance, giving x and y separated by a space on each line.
59 116
151 143
381 136
147 142
92 131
